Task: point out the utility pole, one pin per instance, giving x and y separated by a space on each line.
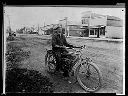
8 20
44 28
66 27
9 24
89 23
38 28
44 24
65 19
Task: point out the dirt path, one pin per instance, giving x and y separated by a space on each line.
112 78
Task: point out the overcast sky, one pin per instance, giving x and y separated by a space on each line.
29 16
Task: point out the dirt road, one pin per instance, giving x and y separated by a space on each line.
107 55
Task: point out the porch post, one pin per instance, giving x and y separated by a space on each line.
89 24
98 32
94 31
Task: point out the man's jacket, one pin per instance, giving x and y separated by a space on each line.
59 40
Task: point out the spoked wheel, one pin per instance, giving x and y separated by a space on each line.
89 77
50 63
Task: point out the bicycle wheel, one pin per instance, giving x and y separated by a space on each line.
50 63
89 77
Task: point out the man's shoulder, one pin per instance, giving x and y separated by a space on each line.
54 35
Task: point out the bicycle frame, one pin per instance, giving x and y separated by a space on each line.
80 61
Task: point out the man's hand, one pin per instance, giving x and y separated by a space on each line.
57 46
63 47
60 46
77 46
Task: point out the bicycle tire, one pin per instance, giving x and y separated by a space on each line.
84 86
46 63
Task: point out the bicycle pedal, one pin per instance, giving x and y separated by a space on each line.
61 72
69 82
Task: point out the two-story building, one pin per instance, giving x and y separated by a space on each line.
96 25
93 24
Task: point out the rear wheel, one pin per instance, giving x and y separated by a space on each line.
89 77
50 63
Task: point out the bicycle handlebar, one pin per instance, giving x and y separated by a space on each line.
82 47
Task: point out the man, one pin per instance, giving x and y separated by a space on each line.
59 45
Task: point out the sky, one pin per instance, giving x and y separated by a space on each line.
29 16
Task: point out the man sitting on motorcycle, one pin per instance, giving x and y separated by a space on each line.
59 45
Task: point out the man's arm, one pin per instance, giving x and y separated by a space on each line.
69 45
54 42
66 43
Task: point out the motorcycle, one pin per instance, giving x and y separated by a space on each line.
85 71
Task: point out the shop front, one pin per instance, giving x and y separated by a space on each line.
94 31
98 31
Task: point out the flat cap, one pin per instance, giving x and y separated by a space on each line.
56 27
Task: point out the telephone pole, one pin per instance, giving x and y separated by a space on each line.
8 20
89 23
65 20
44 28
9 24
66 27
38 28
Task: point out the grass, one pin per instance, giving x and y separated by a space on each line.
24 80
21 79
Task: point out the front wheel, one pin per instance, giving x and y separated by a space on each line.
89 77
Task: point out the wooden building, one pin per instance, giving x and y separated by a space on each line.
94 24
114 28
97 25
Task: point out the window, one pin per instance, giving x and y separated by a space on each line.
82 22
91 32
95 31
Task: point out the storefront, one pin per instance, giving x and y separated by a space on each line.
98 31
94 24
93 31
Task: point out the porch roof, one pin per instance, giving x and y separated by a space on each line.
98 26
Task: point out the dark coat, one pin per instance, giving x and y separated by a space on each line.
59 40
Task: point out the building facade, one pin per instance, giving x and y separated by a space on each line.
114 28
94 24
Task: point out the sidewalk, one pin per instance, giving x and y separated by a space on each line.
98 39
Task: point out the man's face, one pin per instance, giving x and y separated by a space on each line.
59 31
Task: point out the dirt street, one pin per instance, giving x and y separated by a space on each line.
107 55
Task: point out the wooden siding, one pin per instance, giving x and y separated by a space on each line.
114 32
115 23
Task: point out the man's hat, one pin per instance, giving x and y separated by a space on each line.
56 27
